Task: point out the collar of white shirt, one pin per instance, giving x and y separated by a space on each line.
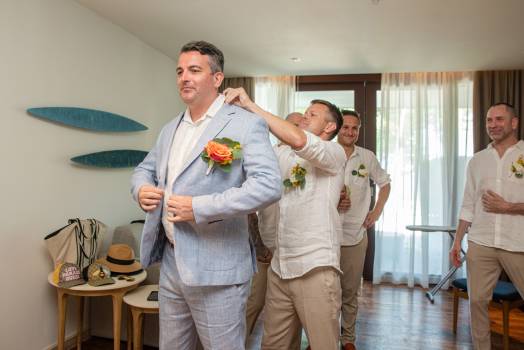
210 113
355 152
519 145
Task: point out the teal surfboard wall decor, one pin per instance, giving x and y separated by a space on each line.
123 158
90 119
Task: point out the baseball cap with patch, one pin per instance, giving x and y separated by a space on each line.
67 275
99 275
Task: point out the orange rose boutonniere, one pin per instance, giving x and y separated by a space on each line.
221 152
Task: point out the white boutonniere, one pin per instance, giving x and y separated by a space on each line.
517 167
360 171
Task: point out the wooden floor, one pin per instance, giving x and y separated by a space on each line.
399 318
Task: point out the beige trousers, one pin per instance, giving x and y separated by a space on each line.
484 266
312 300
352 265
257 297
257 300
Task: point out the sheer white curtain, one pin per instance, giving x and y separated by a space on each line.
276 94
424 140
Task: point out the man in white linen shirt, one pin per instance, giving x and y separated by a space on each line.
493 209
262 229
303 286
361 166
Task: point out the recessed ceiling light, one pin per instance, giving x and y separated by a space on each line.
295 59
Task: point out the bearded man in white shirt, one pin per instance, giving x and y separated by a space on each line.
361 166
493 210
303 286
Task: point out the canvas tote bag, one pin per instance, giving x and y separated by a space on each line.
77 243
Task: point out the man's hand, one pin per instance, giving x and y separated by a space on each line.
180 208
454 254
264 255
239 97
371 218
149 197
344 202
493 203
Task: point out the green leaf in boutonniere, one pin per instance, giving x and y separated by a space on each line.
517 167
360 171
297 178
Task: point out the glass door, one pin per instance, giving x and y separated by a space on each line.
360 92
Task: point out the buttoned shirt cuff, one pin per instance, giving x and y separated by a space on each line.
466 215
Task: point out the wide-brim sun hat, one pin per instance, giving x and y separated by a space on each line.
121 260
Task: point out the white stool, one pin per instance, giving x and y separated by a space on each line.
138 306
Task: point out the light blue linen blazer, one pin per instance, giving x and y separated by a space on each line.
215 249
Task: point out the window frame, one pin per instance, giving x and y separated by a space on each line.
365 87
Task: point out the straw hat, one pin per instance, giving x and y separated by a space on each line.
121 260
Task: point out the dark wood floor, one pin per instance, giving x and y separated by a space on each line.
399 318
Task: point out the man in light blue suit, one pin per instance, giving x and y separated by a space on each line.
196 222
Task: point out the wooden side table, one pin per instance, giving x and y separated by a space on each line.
138 306
116 291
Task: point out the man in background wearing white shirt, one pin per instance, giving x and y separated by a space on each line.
303 286
361 166
493 209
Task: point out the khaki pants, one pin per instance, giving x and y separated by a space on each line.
257 297
352 265
312 300
484 267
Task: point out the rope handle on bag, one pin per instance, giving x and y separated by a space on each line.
82 237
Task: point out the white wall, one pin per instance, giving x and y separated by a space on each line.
57 53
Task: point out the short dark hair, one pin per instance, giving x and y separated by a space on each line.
216 57
335 114
352 113
508 106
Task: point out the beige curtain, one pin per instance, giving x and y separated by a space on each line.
490 87
246 82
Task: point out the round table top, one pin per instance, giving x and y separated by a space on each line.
140 277
138 297
430 228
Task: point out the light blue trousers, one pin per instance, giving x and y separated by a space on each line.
215 314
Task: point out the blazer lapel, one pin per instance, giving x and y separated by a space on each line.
169 142
217 124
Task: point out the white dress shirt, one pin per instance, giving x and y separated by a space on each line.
360 192
309 228
186 136
487 171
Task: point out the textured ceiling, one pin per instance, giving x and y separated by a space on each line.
332 36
